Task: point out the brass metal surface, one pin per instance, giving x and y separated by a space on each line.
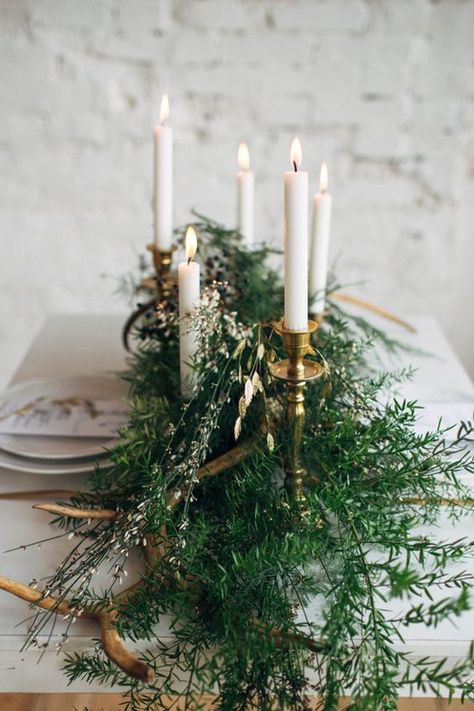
162 260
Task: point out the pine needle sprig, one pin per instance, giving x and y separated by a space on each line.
263 603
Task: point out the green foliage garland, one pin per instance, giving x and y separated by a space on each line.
244 562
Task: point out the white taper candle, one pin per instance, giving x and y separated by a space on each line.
245 196
320 238
188 284
296 243
163 179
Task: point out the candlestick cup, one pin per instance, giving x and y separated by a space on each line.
162 259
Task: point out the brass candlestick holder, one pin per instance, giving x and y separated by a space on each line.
160 286
296 371
162 259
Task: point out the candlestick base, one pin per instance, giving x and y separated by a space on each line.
296 371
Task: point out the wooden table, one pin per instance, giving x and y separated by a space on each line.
72 345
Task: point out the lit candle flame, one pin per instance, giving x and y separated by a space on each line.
164 109
323 180
296 153
244 158
191 243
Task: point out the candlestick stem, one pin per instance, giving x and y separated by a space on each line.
162 259
296 371
295 417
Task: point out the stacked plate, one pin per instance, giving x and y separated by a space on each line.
44 453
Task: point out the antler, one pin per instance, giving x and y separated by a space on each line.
287 640
107 618
212 468
349 299
74 512
113 646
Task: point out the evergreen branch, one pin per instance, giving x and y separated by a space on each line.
237 560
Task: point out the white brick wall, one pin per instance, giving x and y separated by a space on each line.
381 89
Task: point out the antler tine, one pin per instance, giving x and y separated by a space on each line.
113 646
212 468
219 464
75 512
35 596
117 652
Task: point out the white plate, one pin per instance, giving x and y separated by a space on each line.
50 449
98 387
36 466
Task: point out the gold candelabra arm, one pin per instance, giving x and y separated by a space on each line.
295 371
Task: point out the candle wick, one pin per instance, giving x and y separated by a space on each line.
295 166
189 260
